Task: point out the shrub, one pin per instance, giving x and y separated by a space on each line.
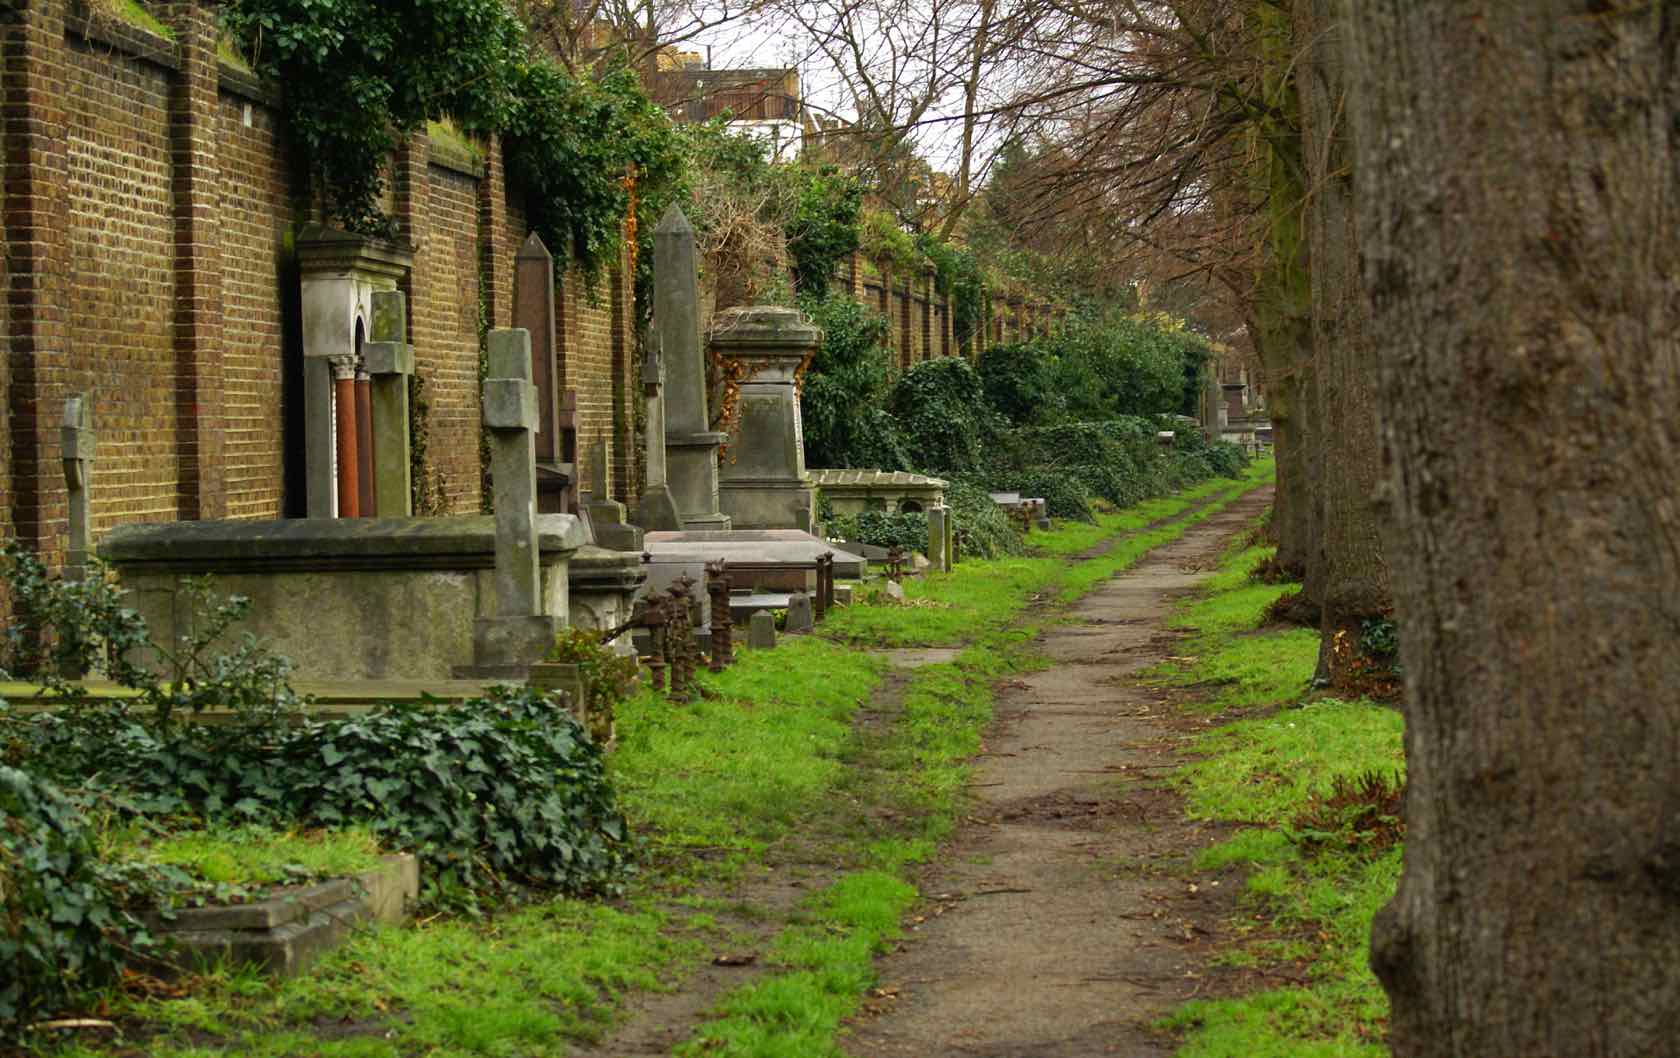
496 789
982 528
1018 382
1064 496
940 405
841 401
908 530
62 929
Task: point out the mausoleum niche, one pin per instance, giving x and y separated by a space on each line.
356 364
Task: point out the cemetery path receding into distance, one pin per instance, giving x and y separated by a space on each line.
1060 920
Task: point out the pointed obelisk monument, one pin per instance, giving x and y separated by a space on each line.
691 445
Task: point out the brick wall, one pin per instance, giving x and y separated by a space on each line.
254 216
149 215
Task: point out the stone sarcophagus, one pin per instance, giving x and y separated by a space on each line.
344 599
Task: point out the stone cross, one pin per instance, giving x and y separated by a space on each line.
691 445
77 441
390 361
653 390
510 414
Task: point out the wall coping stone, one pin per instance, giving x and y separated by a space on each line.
299 544
129 39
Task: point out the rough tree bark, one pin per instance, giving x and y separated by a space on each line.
1282 313
1519 183
1354 585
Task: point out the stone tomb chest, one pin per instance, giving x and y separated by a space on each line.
344 599
851 492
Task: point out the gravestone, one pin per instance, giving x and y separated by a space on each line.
939 538
842 595
761 632
520 632
533 311
894 590
390 361
606 516
691 445
799 617
764 481
76 439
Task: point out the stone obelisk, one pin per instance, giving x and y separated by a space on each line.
691 445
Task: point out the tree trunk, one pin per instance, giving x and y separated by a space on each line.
1354 587
1519 187
1283 312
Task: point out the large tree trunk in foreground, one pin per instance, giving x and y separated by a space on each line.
1354 587
1518 186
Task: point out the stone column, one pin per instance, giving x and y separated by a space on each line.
765 485
390 360
344 437
519 633
77 444
691 445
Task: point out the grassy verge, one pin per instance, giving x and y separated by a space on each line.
1318 867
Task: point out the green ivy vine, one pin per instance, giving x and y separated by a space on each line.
361 75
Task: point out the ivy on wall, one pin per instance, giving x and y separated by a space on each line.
583 153
361 75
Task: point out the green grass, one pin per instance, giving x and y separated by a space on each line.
742 767
1262 770
248 855
1317 900
525 983
828 956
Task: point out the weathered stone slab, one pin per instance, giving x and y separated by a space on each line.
894 590
752 545
287 932
843 594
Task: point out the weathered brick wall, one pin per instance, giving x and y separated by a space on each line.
254 215
592 325
444 310
149 217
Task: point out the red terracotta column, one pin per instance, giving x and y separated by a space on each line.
344 423
365 505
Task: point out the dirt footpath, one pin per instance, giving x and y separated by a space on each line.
1063 919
